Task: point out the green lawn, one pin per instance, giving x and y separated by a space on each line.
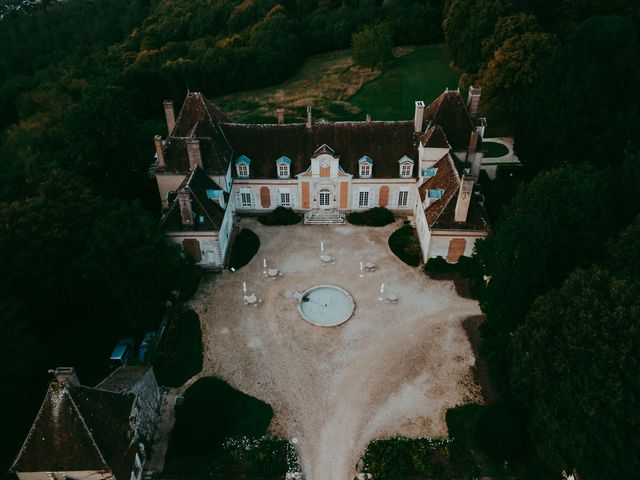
212 412
494 149
421 75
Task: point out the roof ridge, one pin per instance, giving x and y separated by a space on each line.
448 201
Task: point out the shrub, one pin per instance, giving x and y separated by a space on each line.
280 216
374 217
244 248
404 244
211 413
179 355
501 432
263 456
439 267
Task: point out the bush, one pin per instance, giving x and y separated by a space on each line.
438 267
211 413
400 457
404 244
263 456
280 216
501 432
179 355
374 217
244 248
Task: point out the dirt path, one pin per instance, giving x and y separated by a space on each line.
391 369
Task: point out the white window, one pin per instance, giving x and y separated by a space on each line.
244 198
435 193
406 169
243 170
283 170
429 172
285 197
363 198
403 198
365 170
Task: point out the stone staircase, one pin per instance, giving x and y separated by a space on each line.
324 217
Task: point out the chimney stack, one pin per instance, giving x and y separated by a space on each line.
309 117
170 116
368 120
65 376
184 199
417 117
280 115
159 150
474 157
193 150
473 100
464 198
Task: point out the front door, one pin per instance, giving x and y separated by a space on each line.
325 198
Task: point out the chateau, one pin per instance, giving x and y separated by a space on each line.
210 170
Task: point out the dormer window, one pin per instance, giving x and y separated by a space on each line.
242 166
435 194
365 164
406 167
283 166
429 172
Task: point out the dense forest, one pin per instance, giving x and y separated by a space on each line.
562 328
81 89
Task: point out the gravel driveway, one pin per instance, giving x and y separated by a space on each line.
389 370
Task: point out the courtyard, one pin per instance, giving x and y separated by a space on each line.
391 369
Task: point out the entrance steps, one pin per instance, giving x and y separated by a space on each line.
324 217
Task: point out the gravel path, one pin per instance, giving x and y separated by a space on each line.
391 369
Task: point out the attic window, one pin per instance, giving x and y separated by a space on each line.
283 170
429 172
214 194
435 194
242 170
406 170
365 170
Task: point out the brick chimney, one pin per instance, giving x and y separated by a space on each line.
280 115
169 115
159 150
309 117
193 150
417 117
65 376
464 198
473 100
184 199
473 156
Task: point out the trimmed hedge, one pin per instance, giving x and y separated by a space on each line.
404 244
374 217
438 267
244 248
179 355
280 216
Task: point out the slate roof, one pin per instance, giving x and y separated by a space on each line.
199 118
434 137
449 112
123 378
384 142
197 183
79 428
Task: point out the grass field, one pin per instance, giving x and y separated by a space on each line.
420 75
340 90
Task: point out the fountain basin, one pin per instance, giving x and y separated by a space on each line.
326 305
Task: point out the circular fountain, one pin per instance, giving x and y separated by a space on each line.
326 305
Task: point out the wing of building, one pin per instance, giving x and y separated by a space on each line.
210 170
97 432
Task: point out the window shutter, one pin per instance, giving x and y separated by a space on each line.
372 198
354 201
253 200
238 200
293 200
396 198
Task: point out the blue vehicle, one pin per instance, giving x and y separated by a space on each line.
121 352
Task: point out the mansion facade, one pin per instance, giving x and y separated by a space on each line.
210 169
